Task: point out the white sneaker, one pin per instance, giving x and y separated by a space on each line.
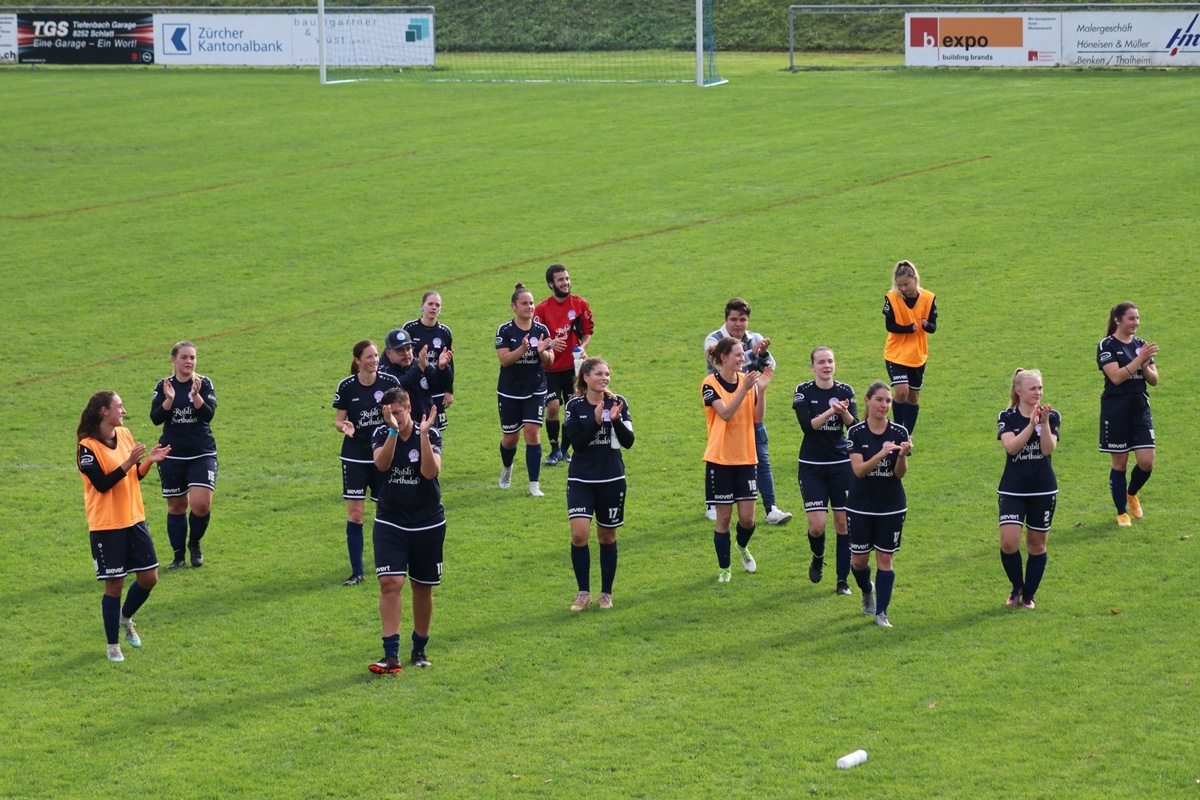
114 653
724 576
776 516
131 635
710 514
535 490
505 477
747 560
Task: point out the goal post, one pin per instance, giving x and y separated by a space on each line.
372 42
522 41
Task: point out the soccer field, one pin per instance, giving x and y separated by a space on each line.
274 222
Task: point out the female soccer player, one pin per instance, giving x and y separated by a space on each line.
410 524
876 506
825 408
733 402
356 416
524 348
111 467
426 331
910 315
1028 489
1125 423
597 426
184 404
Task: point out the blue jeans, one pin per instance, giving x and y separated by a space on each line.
766 480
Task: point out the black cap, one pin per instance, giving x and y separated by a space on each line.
397 338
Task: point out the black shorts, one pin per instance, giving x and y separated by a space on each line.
913 376
415 553
824 485
357 478
560 385
118 552
1035 512
177 475
517 413
604 501
875 531
1125 423
726 484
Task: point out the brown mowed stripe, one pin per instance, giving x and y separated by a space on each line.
150 198
547 258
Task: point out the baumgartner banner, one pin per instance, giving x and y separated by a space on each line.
975 40
291 39
1131 38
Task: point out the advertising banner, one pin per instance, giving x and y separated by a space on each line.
102 38
366 39
1131 38
982 40
8 38
224 39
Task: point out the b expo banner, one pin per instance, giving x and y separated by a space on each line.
973 40
55 38
291 39
1069 38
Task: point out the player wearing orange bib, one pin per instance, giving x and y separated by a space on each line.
111 466
733 402
910 315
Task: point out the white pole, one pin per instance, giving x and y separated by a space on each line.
321 37
699 42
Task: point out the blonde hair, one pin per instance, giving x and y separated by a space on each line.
1019 377
905 269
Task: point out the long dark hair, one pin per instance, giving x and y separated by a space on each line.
519 290
1118 311
359 347
90 419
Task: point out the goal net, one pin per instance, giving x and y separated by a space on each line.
523 40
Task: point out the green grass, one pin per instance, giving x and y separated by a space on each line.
274 222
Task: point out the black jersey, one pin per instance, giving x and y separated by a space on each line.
407 498
526 378
437 338
880 492
185 427
1029 471
1112 350
361 404
827 444
593 458
422 386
